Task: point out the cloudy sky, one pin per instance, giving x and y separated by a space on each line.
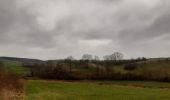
51 29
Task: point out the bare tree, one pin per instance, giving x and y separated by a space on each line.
96 58
70 58
87 57
69 61
116 56
106 57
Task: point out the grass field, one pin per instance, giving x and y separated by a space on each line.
15 67
100 90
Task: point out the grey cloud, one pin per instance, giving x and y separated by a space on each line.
158 28
49 29
19 28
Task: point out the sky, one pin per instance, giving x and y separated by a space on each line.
53 29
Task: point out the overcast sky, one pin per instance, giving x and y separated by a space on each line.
51 29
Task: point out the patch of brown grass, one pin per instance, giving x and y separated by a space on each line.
11 87
10 95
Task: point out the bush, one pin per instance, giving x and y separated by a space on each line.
130 66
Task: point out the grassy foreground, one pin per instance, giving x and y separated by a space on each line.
52 90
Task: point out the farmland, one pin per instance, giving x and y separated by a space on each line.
96 90
87 80
14 67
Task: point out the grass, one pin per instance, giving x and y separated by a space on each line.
10 95
119 90
11 87
15 67
142 84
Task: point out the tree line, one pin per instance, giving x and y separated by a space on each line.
113 67
115 56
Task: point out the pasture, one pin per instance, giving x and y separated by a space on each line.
14 67
96 90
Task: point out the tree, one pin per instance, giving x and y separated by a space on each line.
69 61
87 57
106 57
70 58
96 58
116 56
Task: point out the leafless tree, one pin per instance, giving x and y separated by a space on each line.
96 58
70 58
69 61
116 56
87 57
106 57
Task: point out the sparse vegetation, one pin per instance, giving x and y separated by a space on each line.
11 87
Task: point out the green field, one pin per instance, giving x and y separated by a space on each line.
15 67
96 90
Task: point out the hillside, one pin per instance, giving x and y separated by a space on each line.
14 67
150 69
23 60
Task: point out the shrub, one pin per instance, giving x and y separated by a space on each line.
130 66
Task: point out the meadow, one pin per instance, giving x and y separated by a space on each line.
14 67
86 80
96 90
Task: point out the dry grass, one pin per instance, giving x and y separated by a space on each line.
11 87
10 95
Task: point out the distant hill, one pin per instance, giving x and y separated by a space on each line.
23 60
15 64
159 59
